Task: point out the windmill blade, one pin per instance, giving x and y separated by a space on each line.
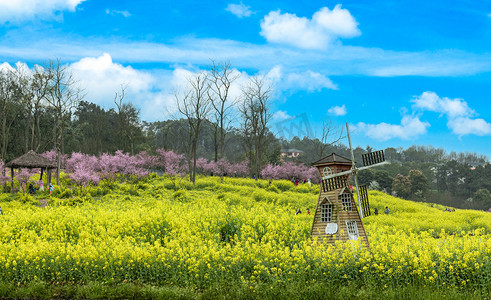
364 200
334 183
337 174
373 158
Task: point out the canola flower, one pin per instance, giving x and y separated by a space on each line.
239 231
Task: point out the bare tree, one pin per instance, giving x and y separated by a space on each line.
221 76
128 121
10 106
194 105
329 136
256 115
34 87
63 96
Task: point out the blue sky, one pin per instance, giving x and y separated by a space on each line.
400 72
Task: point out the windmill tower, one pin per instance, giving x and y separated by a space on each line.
336 210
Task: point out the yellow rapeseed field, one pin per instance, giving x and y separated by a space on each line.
164 231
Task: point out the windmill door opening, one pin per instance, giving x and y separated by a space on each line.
352 230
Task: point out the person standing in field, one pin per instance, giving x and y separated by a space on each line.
376 211
387 210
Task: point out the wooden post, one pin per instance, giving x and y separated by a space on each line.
48 176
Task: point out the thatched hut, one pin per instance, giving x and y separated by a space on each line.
31 160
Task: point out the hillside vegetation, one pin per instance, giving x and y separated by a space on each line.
240 237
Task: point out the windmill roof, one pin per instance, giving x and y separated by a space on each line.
30 160
333 158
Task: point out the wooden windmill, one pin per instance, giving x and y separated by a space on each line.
336 209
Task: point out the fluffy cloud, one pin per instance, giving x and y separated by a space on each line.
316 33
451 107
338 110
281 115
101 78
464 126
17 10
459 114
410 128
240 10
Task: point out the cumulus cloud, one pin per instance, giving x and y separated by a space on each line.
410 128
457 111
316 33
451 107
281 115
18 10
240 10
464 126
102 77
338 110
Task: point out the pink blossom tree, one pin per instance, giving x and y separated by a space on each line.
170 162
289 170
52 156
83 169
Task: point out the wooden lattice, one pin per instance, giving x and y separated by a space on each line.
334 183
364 200
373 158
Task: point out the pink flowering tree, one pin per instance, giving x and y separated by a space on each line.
222 167
170 162
239 169
289 170
83 169
52 156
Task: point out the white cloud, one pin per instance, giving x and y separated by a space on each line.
457 111
240 10
124 13
464 126
338 110
410 128
316 33
16 10
311 81
101 78
339 60
281 115
451 107
307 80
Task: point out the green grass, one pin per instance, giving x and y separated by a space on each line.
96 290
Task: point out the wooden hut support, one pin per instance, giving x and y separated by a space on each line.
12 180
31 160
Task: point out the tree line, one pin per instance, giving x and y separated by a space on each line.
44 109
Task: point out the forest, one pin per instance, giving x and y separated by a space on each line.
43 109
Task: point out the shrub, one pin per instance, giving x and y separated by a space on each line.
283 185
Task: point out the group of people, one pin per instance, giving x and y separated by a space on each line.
298 211
387 211
296 181
32 189
449 209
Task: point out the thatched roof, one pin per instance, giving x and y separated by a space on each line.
31 160
333 159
